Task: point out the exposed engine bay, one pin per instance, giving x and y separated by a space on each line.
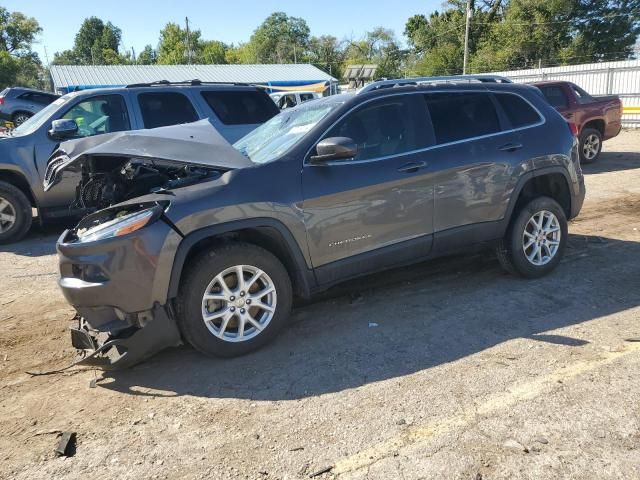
116 167
109 180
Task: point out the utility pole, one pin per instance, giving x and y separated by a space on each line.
466 39
188 43
46 55
133 56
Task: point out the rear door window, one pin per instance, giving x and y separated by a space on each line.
243 107
460 116
161 109
305 97
555 96
519 112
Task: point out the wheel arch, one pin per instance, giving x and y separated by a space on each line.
553 182
597 124
19 181
267 233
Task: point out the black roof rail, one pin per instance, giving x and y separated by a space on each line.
194 83
400 82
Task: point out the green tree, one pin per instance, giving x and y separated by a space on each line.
280 39
529 33
241 53
17 32
19 65
148 56
212 52
172 49
66 57
326 53
603 30
96 43
379 47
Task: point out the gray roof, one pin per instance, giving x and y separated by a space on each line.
113 75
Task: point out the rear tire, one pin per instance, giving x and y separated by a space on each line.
240 318
15 214
535 240
590 145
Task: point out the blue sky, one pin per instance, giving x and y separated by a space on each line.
228 20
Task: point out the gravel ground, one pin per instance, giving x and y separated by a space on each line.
448 369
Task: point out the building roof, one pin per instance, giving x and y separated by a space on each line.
65 76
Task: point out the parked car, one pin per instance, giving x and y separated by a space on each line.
596 119
233 110
291 99
322 193
17 104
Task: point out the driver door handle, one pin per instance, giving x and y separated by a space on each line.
412 167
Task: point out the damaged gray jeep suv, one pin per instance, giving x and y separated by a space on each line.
196 239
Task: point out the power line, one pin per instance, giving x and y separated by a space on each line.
574 20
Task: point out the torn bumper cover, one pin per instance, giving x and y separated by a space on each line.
123 312
124 345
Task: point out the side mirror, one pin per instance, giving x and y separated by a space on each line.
63 128
334 148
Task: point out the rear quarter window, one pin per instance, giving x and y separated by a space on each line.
519 112
461 116
244 107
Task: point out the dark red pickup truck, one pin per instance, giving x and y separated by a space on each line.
595 118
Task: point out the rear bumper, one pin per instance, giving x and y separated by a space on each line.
112 285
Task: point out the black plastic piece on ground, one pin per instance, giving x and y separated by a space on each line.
67 445
124 351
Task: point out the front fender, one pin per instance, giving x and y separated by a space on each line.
302 266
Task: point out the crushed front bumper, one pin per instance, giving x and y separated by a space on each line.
127 346
118 289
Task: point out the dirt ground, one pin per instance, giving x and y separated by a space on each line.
446 370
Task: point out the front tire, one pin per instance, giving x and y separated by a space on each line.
535 240
15 214
590 145
233 299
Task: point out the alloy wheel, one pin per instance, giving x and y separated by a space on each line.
541 238
7 215
239 303
591 146
20 119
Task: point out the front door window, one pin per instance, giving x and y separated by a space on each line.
98 115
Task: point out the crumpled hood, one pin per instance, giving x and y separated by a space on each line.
197 143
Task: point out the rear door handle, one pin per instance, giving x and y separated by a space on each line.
412 167
510 147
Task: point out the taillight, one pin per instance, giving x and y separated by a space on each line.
574 128
1 100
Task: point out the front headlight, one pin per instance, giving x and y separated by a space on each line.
119 226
